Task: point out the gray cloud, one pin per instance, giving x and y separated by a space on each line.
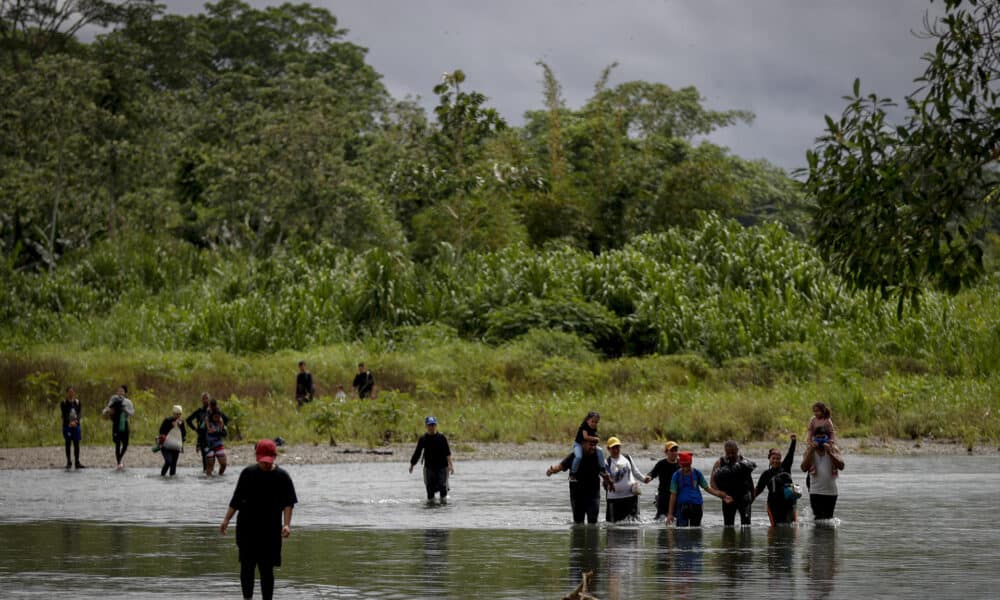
789 62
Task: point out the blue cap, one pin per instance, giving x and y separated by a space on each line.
430 421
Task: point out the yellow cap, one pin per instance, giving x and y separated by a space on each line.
669 445
613 441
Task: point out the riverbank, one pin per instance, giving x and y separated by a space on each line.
53 457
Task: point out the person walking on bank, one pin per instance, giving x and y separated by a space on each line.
71 411
623 498
437 460
733 474
305 390
119 409
264 498
664 470
823 462
364 381
781 492
172 435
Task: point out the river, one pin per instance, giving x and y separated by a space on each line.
906 528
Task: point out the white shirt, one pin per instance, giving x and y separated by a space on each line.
823 482
623 473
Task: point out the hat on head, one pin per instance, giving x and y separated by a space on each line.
266 451
685 458
669 446
613 441
178 410
430 421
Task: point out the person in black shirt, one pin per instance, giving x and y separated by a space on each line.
733 475
304 388
198 421
780 504
665 470
585 488
264 497
364 381
71 408
437 460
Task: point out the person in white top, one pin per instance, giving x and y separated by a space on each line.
823 462
623 499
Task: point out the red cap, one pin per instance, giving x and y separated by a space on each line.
685 458
266 451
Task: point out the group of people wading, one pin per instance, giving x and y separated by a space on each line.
679 495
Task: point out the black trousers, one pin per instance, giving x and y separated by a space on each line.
585 503
822 505
76 450
169 461
121 444
619 509
740 505
436 480
247 568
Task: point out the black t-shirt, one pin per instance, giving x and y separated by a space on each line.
435 449
584 428
664 469
588 475
66 406
734 478
303 385
260 497
364 382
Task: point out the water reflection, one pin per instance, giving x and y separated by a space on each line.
624 562
734 561
821 562
584 554
679 560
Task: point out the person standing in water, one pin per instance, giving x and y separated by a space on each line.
686 504
733 475
71 410
119 410
264 498
172 434
777 479
623 498
586 432
437 460
664 470
823 462
585 489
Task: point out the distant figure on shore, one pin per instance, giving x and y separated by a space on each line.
305 390
733 474
822 417
686 504
71 410
364 381
437 461
215 435
119 409
172 435
781 490
340 396
585 489
823 462
664 470
264 498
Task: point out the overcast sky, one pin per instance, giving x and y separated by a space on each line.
788 61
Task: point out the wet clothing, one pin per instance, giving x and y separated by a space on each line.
215 436
623 501
822 505
119 409
822 481
364 382
71 410
247 568
259 499
780 508
585 492
664 470
735 478
304 388
196 422
435 452
170 455
688 505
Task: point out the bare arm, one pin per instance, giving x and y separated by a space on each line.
225 521
286 530
671 507
807 458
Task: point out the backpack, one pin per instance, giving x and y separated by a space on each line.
783 485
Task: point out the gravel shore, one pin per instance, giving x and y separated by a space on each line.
53 457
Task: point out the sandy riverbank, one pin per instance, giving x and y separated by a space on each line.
241 454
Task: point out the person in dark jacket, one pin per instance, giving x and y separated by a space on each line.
364 381
778 477
733 475
305 390
437 460
264 498
585 487
171 443
71 410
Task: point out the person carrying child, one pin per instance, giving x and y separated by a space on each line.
587 432
821 418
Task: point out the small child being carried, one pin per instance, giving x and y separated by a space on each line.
587 432
821 419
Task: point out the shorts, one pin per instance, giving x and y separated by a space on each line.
219 452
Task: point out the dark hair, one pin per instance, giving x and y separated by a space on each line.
69 387
732 444
124 387
361 364
213 402
302 363
823 409
591 415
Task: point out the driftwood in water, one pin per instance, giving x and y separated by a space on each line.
580 593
